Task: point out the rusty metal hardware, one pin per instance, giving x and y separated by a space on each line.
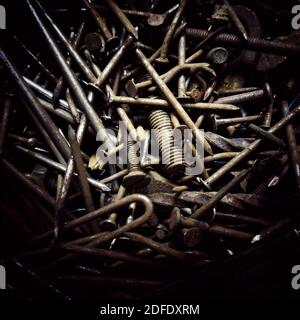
96 184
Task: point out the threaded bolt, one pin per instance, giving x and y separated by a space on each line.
136 177
264 186
262 45
170 152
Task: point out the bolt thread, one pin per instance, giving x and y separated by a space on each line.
133 160
171 154
252 43
261 189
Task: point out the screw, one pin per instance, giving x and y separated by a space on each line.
135 178
171 154
218 56
257 44
173 101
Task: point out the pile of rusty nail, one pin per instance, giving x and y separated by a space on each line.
74 220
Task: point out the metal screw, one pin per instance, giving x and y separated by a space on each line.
171 154
262 45
136 178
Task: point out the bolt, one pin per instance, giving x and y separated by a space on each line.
262 188
257 44
218 56
135 178
164 132
173 101
199 51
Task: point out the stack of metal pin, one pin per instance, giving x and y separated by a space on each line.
74 220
